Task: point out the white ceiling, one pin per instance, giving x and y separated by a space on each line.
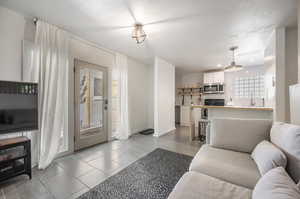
192 34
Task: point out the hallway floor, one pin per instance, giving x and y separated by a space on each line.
73 175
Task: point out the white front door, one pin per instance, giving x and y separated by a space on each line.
90 104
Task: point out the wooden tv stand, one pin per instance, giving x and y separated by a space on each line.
15 157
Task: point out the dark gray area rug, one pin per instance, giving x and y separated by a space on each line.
151 177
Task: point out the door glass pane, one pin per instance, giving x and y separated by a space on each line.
91 101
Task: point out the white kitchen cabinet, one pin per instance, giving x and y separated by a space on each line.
219 77
207 78
185 115
214 77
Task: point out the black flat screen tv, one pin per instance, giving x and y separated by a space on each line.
18 107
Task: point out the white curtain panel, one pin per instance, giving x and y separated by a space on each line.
29 74
52 68
120 73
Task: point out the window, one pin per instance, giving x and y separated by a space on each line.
247 87
91 100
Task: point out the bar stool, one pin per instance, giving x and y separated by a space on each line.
202 128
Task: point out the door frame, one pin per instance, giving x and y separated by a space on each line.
77 63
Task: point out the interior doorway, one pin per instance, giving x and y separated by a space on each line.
90 104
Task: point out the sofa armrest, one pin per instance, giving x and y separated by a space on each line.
240 135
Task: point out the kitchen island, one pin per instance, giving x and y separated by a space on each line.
242 112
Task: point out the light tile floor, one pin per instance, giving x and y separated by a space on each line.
73 175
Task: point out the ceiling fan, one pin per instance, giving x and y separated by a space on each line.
233 67
138 32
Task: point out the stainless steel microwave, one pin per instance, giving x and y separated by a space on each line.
213 89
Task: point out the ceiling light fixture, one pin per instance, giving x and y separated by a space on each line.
233 67
138 33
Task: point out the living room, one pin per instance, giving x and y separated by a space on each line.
140 99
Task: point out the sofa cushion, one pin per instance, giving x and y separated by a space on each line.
267 156
193 185
276 184
287 138
239 134
234 167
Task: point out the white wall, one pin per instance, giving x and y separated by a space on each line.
85 51
151 97
280 112
298 42
291 65
192 78
275 73
12 32
270 75
178 83
11 36
15 28
281 63
164 97
185 79
139 84
139 95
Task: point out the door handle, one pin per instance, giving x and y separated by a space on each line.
106 103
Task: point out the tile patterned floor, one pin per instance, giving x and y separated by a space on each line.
73 175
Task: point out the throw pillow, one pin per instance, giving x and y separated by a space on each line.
267 156
287 138
276 184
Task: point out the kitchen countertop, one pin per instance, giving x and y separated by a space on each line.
235 107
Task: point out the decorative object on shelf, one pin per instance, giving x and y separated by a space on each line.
19 88
190 91
15 157
138 33
187 90
233 67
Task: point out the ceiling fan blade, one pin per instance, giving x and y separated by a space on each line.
102 28
175 19
128 6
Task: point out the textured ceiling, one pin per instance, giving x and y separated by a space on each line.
192 34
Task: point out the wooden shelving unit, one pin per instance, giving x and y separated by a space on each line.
194 91
189 92
15 157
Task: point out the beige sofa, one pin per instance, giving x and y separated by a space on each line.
223 168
